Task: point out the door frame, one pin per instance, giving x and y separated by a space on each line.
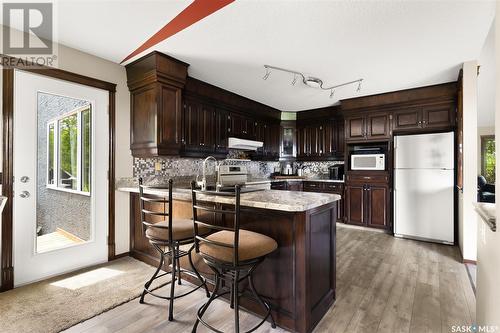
7 268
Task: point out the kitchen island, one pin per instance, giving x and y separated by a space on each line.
298 279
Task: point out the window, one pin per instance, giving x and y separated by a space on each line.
69 151
488 158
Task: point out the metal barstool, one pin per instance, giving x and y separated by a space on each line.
232 253
166 236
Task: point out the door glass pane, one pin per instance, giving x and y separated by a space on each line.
86 147
51 157
288 134
68 149
63 210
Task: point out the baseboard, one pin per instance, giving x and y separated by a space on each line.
358 227
121 255
467 261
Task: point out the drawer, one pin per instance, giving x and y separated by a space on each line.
372 178
313 186
278 185
337 188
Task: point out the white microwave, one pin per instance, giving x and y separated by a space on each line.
368 162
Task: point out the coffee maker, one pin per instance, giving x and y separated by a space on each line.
336 172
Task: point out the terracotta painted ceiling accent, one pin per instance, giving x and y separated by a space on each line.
193 13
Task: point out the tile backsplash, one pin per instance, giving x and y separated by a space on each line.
178 167
182 167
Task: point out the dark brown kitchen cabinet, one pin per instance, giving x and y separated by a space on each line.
279 186
355 128
340 138
320 141
355 204
426 118
287 185
156 104
378 126
367 200
372 126
268 134
438 116
173 114
199 128
409 119
242 126
272 141
327 187
377 199
222 121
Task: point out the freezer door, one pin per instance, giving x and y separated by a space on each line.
424 151
423 204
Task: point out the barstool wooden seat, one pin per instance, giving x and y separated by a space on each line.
232 253
166 236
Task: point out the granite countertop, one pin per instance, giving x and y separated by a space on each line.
487 212
289 201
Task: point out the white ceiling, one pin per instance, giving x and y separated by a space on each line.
393 45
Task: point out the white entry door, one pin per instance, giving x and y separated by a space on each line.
60 177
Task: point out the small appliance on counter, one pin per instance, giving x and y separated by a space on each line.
336 172
287 169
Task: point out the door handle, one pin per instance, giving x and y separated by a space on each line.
24 194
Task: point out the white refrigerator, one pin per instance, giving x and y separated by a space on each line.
424 187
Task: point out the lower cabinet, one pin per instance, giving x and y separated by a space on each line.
327 187
367 203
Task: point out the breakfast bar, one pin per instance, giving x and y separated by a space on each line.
298 279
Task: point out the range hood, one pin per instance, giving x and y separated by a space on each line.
242 144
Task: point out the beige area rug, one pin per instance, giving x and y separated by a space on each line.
61 302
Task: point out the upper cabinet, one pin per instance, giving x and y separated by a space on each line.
155 82
242 126
173 114
369 126
320 140
199 127
429 117
288 139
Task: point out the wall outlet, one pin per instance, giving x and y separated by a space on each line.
157 166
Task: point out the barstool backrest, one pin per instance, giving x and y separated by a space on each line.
210 207
146 202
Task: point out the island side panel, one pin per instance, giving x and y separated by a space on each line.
321 262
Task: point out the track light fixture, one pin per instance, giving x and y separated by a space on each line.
268 72
310 81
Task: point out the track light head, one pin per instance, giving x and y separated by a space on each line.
359 86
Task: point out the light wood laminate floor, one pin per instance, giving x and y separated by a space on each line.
384 284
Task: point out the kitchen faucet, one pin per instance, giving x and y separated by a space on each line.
203 182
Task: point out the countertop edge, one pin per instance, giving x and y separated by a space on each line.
295 208
485 214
